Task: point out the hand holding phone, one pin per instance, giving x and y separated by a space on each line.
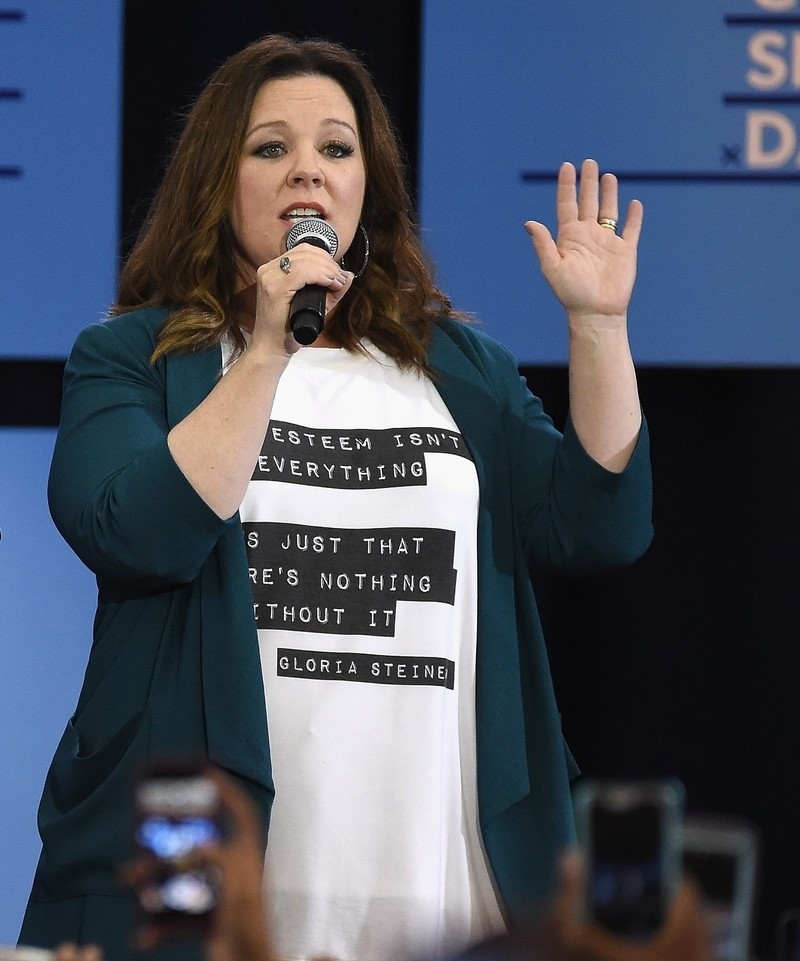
233 921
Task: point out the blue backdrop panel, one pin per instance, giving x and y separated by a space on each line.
59 160
46 608
693 103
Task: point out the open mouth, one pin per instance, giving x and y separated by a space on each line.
302 213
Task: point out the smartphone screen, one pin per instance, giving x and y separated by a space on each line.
630 837
177 814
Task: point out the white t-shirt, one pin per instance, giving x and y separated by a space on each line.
360 523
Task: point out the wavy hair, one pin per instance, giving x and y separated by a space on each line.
184 256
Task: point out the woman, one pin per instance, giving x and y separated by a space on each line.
348 527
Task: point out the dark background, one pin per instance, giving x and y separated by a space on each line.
686 664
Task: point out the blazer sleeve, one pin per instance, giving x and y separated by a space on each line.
115 493
576 516
573 515
570 514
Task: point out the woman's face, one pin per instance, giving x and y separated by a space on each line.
302 158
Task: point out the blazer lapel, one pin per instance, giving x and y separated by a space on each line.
502 760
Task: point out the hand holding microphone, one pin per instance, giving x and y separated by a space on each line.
307 310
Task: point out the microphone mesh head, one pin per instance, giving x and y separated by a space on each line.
314 231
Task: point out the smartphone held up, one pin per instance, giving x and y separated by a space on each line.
639 842
629 832
720 854
177 814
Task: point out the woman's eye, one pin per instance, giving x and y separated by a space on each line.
338 149
269 150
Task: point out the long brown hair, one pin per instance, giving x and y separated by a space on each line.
184 256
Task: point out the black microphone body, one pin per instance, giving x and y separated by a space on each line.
307 310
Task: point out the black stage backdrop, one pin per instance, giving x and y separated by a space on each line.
686 664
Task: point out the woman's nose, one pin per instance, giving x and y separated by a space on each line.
306 168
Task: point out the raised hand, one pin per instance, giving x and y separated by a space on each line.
590 267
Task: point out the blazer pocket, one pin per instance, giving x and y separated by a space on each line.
79 768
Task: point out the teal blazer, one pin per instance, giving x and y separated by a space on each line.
174 666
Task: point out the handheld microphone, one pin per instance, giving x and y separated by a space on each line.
307 310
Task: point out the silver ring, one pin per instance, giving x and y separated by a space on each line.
285 264
608 222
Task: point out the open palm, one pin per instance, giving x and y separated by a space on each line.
590 268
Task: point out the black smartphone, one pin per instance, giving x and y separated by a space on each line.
177 813
630 835
720 854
